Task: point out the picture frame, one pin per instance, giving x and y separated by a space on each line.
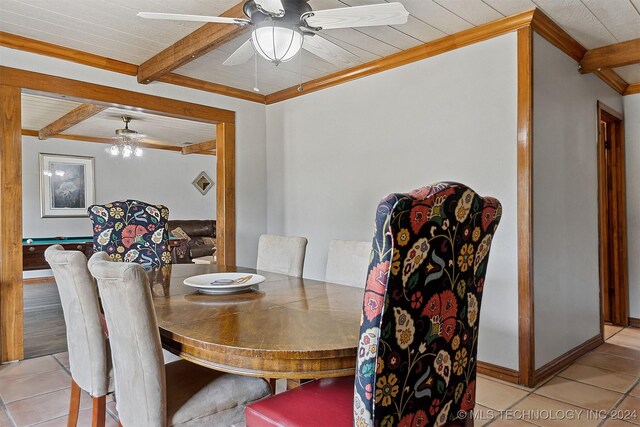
203 183
67 185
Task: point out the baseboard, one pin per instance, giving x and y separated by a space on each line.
36 280
559 363
634 322
499 372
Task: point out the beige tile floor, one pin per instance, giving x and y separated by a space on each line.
604 381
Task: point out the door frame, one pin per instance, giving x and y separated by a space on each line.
620 314
14 82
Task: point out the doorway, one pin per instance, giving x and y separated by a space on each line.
15 82
614 284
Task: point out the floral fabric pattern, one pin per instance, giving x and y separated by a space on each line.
132 231
416 361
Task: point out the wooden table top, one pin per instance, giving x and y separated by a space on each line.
287 327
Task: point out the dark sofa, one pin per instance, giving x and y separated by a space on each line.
196 247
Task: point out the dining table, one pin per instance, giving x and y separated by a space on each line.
285 327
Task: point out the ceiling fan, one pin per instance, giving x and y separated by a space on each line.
280 28
126 141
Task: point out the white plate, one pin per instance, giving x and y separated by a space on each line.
213 283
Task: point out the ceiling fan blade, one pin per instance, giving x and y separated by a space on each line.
195 18
241 55
271 7
329 51
357 16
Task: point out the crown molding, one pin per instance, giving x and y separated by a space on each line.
611 78
534 18
423 51
554 34
13 41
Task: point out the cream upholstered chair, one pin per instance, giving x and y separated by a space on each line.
281 254
150 393
89 355
348 262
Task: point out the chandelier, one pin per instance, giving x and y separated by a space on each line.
126 142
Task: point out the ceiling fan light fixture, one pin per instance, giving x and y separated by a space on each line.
128 143
126 151
276 43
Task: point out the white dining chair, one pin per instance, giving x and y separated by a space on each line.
348 262
89 355
150 393
281 254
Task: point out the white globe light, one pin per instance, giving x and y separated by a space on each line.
126 151
137 152
114 151
276 44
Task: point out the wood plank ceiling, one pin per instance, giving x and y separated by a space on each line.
39 111
110 28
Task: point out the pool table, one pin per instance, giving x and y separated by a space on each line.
33 249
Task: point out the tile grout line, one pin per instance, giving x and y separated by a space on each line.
597 386
3 407
37 395
68 371
529 392
623 395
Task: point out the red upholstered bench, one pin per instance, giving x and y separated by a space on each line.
327 402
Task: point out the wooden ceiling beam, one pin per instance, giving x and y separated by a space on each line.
155 145
203 40
72 118
612 56
632 89
204 147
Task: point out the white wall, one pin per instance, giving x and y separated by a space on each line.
332 155
158 177
251 187
565 201
632 147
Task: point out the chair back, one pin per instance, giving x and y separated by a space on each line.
347 262
86 339
135 341
281 254
132 231
416 362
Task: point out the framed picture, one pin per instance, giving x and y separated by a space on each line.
203 183
67 186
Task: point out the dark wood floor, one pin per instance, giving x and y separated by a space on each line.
44 328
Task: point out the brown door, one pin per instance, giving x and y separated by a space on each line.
612 206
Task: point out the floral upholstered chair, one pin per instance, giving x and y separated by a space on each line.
132 231
416 361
